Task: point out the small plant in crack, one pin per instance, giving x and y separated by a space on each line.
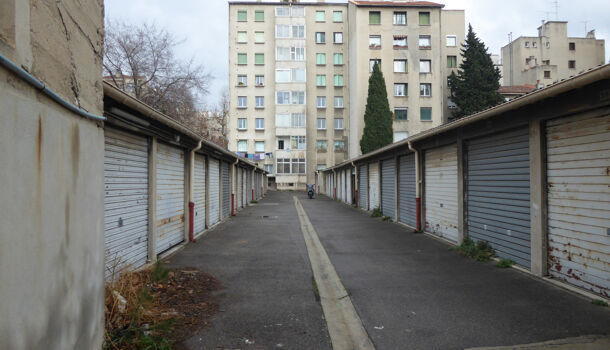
387 218
505 263
599 302
376 213
481 251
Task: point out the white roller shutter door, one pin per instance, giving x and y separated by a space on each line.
199 194
170 197
440 192
214 189
373 185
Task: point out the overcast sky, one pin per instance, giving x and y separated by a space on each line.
203 24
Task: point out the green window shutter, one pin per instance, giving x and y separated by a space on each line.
338 16
321 58
242 16
242 58
259 58
425 113
424 18
259 16
338 80
374 17
320 16
338 58
321 80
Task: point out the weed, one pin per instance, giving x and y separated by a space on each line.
376 213
315 289
254 201
481 251
159 273
387 218
505 263
599 302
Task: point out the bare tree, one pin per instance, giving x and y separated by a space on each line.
223 111
139 59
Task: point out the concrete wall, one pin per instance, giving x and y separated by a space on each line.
51 179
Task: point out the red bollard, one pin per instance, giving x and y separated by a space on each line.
417 212
191 220
232 204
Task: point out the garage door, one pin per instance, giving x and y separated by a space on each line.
348 185
244 185
498 193
199 194
170 197
440 191
226 191
214 173
578 169
388 192
406 191
240 188
374 185
125 200
363 184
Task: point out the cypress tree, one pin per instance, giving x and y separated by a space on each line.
476 85
377 115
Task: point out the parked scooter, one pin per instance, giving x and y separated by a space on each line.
310 191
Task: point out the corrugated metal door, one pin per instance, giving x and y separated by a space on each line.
240 188
578 170
256 186
125 200
374 185
348 185
249 180
363 182
199 194
342 179
226 190
406 190
244 177
170 196
388 193
498 193
440 191
214 201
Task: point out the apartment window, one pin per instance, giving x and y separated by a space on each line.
282 31
259 123
298 97
297 53
320 16
451 104
242 80
548 44
242 16
259 80
321 123
424 18
298 75
399 18
527 44
400 66
338 59
242 146
259 37
242 58
338 37
374 17
321 101
282 11
242 123
259 16
373 62
572 46
260 101
297 120
424 42
547 74
451 61
283 165
338 79
297 142
242 37
534 44
400 135
283 97
259 146
337 16
400 89
269 168
282 75
320 58
451 40
339 145
298 11
374 41
546 62
400 113
572 64
425 66
425 114
338 101
298 166
321 80
259 58
282 121
282 53
242 102
425 89
400 42
320 37
298 31
338 123
321 145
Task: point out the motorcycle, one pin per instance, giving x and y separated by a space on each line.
310 191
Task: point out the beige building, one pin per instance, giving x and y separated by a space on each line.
550 56
299 77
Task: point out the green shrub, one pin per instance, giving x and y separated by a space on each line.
376 213
481 251
505 263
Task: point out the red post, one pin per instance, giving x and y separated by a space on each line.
318 189
356 199
252 194
335 194
262 192
191 220
417 212
232 204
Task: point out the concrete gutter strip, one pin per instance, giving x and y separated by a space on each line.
344 325
587 342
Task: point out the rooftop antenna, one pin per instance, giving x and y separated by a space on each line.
556 4
585 23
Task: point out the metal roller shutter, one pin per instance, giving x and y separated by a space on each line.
348 186
374 185
256 190
406 190
199 194
342 185
363 183
498 193
440 192
250 193
244 185
388 193
170 197
125 200
226 191
578 163
214 201
240 188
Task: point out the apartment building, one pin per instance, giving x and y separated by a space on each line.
550 56
299 77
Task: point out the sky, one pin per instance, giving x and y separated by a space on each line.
203 25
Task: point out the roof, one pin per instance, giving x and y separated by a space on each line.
517 89
396 3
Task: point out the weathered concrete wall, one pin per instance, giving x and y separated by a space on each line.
51 178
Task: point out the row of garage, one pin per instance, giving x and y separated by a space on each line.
531 177
163 184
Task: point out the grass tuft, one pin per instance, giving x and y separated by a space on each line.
376 213
599 302
505 263
481 251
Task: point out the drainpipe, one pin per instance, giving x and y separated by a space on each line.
417 187
191 203
234 182
355 184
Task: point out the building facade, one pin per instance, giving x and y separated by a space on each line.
550 56
299 77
